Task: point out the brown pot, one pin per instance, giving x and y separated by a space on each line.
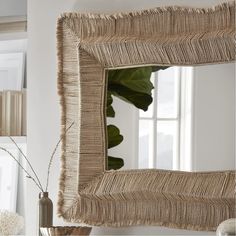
65 230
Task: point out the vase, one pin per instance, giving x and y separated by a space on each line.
45 211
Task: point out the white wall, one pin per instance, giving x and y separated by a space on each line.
213 117
13 7
43 101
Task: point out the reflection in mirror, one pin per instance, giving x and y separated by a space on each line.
188 124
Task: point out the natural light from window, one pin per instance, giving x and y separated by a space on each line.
167 124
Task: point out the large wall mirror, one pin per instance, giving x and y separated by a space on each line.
190 118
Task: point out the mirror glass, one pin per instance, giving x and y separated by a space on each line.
174 118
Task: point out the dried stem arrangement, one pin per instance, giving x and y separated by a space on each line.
35 177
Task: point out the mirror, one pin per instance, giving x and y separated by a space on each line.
89 45
189 125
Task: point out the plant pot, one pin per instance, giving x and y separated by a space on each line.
65 230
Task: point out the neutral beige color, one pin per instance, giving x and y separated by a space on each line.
89 45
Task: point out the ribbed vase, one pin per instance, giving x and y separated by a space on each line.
45 211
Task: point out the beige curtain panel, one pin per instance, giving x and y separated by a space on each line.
89 45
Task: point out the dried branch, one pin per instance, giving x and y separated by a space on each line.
53 153
27 173
31 167
38 183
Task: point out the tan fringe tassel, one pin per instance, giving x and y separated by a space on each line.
194 201
88 45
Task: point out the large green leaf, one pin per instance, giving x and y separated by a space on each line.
157 68
139 100
114 136
115 163
132 85
110 110
136 79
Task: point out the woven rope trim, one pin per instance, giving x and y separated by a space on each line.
153 184
173 213
192 49
87 46
194 201
159 21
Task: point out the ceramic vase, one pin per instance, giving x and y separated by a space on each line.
45 211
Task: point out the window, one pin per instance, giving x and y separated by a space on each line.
164 130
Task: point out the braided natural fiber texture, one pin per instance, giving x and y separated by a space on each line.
195 201
88 45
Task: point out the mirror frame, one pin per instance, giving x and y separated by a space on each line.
88 46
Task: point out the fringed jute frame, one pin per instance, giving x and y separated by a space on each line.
89 45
